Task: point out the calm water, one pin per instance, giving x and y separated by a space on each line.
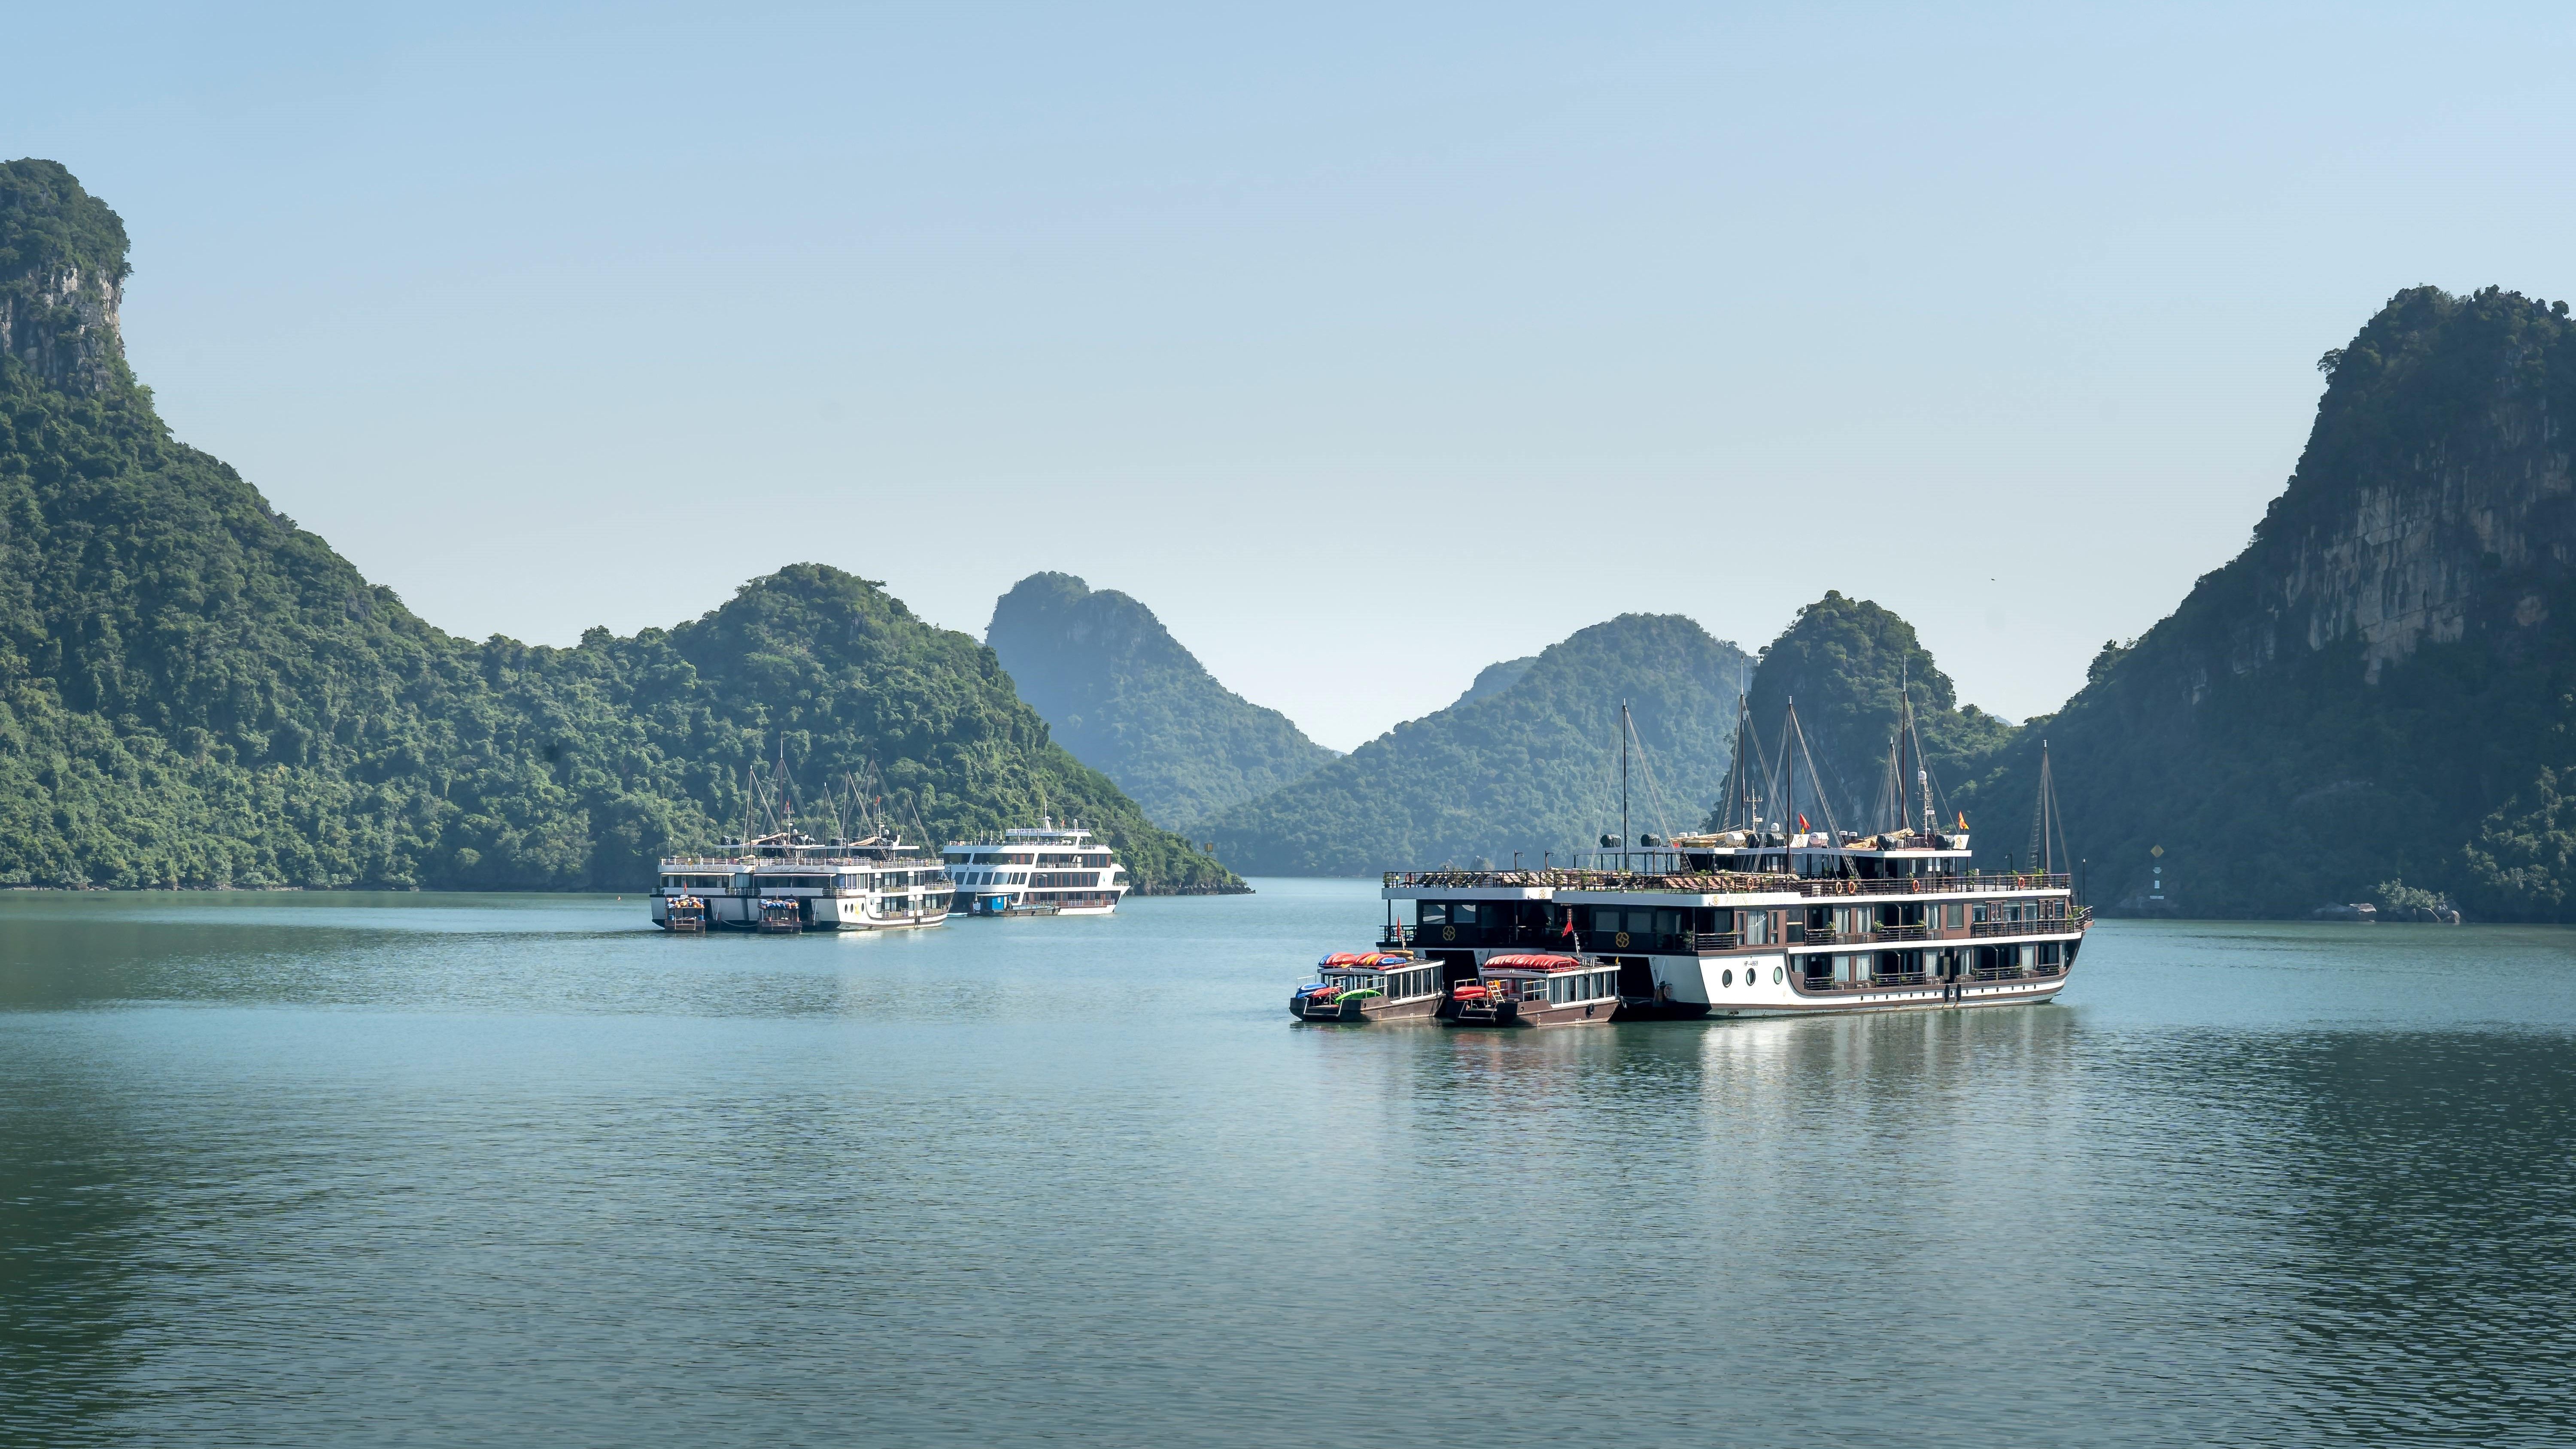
419 1169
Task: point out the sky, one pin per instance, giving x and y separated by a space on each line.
1367 345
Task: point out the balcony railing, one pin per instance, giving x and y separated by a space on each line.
1730 882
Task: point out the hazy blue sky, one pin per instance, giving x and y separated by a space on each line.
1367 345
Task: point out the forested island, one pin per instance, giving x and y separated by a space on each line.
196 692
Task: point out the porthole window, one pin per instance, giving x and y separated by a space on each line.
1726 978
1775 975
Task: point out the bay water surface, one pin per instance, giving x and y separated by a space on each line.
413 1169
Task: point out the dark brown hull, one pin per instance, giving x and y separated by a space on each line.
1525 1013
1369 1009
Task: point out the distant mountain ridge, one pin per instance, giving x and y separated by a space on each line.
1529 768
196 692
1493 679
1127 699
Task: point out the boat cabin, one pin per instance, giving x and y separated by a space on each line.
1370 986
1531 989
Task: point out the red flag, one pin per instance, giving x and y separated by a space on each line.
1802 824
1569 924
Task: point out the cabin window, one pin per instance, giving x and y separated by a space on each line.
1726 978
1757 927
1955 914
1431 913
1463 913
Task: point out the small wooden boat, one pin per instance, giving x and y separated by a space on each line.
781 917
686 915
1537 989
1370 986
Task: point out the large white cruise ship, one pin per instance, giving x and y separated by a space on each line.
787 882
1759 919
1049 870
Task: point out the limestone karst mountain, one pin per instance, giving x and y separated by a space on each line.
2382 686
196 692
1848 664
1127 699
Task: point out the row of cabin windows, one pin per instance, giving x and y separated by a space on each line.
1879 965
886 880
1560 990
1096 859
1586 986
1541 916
1398 985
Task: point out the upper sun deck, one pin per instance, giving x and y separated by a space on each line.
1067 837
789 851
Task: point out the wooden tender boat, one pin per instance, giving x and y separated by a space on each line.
1537 989
1371 986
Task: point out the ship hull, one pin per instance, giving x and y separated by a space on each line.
1421 1008
1765 985
1509 1014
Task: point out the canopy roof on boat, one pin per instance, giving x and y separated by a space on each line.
1537 961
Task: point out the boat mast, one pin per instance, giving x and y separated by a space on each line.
1623 784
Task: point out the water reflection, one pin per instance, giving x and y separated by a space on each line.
72 1257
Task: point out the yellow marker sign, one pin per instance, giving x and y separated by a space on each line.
2157 851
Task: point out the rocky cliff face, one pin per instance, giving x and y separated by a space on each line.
62 277
64 326
2366 693
2395 540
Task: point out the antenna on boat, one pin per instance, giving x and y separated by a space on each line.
1624 728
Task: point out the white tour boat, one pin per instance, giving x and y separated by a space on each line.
791 882
1048 870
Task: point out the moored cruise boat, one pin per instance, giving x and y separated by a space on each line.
1758 921
1537 988
1370 986
1049 869
788 882
1777 926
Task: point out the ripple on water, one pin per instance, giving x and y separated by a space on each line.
515 1171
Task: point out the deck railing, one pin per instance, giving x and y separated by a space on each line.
1730 882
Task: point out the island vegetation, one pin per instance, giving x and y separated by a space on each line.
194 691
1126 698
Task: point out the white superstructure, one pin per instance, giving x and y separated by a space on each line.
1049 869
789 881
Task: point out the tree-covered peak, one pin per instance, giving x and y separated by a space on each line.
1128 699
2429 369
1848 663
50 225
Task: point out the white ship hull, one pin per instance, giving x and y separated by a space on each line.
1762 986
